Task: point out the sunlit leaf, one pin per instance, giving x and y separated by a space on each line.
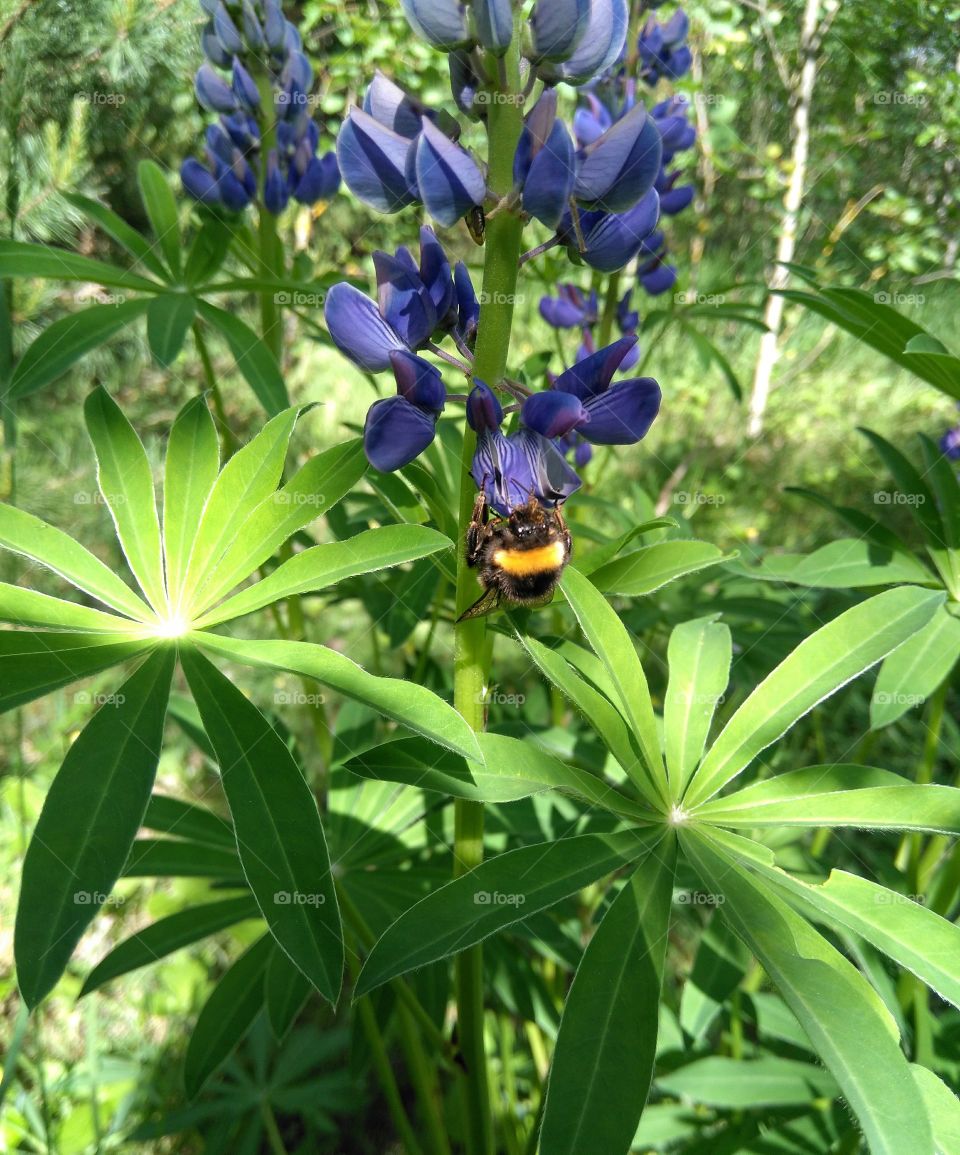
126 482
410 704
698 655
839 795
817 668
192 464
322 566
848 1025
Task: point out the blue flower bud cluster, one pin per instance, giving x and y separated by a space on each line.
263 54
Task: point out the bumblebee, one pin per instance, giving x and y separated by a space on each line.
518 558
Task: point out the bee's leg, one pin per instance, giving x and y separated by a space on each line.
476 528
564 530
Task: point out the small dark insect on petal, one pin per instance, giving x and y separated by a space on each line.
477 224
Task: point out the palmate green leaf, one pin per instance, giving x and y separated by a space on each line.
498 893
116 227
87 825
25 534
126 482
254 360
645 570
943 1108
410 704
914 937
62 344
190 471
847 563
169 317
698 655
848 1025
603 1062
314 489
915 669
32 663
20 259
513 770
280 838
166 935
25 607
248 478
180 858
817 668
602 715
735 1084
613 645
227 1015
161 206
322 566
839 795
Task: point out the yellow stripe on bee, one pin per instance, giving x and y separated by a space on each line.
524 562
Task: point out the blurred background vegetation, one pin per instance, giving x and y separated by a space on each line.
88 88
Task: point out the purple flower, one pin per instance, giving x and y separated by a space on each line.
248 40
398 429
511 469
612 240
584 400
950 443
413 302
494 23
662 50
374 162
449 180
620 166
557 27
570 309
544 167
601 43
442 23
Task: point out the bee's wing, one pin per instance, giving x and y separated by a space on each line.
484 605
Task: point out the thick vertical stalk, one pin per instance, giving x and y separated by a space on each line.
501 264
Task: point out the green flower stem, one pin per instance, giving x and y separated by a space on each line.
271 250
399 987
424 1083
501 265
381 1063
611 301
226 433
274 1138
